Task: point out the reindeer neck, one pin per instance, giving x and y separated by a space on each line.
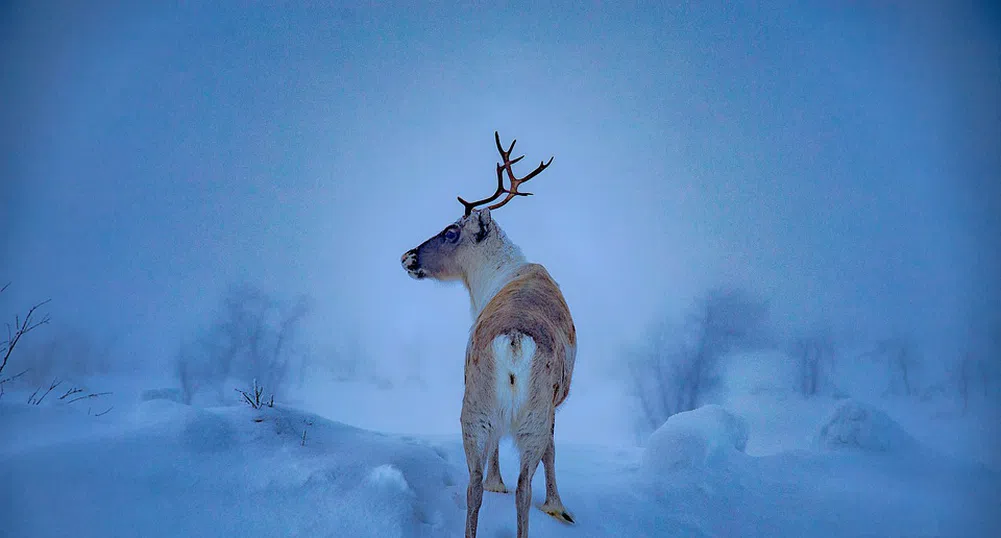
496 268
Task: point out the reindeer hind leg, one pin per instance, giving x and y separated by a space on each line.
532 437
553 505
476 437
494 482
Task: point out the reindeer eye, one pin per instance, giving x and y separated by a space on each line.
451 235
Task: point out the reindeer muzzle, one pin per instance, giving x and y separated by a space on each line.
411 264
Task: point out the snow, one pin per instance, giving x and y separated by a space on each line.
695 438
855 425
184 471
756 465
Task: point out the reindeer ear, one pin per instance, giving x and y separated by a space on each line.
483 216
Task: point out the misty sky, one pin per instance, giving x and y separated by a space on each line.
840 159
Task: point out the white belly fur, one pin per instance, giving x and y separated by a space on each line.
509 362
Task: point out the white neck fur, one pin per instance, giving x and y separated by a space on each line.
497 266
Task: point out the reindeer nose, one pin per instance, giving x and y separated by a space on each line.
409 260
411 264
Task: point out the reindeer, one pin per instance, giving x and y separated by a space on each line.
521 349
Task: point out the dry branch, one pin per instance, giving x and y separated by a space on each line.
256 397
20 329
92 395
31 399
11 378
55 383
71 392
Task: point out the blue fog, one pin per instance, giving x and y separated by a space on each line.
841 160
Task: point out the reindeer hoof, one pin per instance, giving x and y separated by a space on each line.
559 514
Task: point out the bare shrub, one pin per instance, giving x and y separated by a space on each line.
251 339
902 363
677 367
813 355
71 394
255 398
35 399
15 332
974 376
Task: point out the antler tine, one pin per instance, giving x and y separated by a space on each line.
500 190
515 182
504 154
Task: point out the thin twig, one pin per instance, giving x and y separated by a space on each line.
254 398
246 397
21 329
3 381
55 383
15 376
70 392
105 412
92 395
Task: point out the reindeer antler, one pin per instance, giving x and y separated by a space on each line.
515 182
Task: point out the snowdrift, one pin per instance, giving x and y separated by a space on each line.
168 469
695 439
157 468
855 425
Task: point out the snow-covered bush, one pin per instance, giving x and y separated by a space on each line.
855 425
255 397
694 439
677 368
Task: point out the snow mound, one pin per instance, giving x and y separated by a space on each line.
389 476
228 471
695 439
161 469
854 425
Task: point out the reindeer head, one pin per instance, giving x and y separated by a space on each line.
451 253
447 255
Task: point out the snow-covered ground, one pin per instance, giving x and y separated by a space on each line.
761 464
